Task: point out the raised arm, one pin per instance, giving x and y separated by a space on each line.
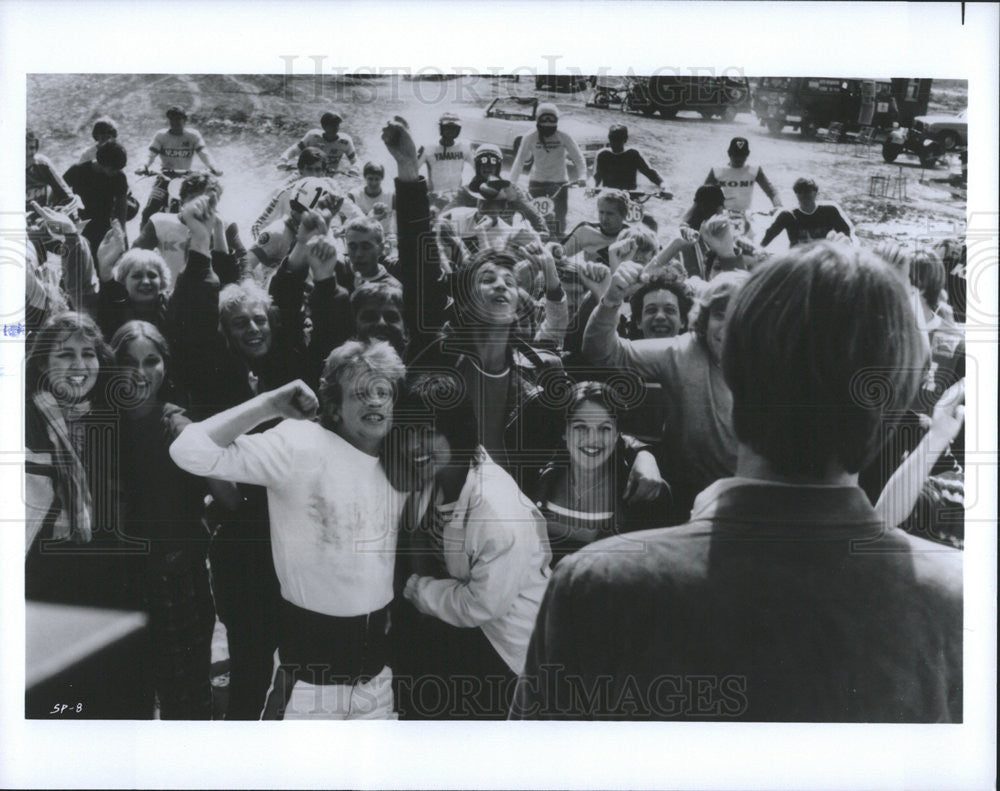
603 347
425 291
902 490
217 448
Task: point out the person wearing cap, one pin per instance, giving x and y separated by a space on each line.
445 161
175 146
327 139
737 179
810 221
616 166
548 149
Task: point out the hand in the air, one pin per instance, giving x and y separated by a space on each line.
624 282
57 222
111 248
399 142
595 276
295 400
949 412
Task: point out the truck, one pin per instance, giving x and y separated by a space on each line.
809 104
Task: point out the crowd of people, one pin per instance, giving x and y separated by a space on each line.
403 440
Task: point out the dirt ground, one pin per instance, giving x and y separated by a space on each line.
249 120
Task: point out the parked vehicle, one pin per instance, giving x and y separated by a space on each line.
923 146
809 104
561 83
508 119
712 97
951 131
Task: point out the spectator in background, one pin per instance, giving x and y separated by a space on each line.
810 221
103 187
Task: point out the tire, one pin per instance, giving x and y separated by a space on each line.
809 129
774 126
890 151
648 109
948 141
668 113
706 114
729 115
928 163
601 101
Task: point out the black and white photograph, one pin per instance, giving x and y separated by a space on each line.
629 412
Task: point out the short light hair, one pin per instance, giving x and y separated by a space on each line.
619 198
365 225
716 226
373 358
238 295
822 355
137 257
719 291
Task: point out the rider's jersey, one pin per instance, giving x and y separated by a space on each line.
549 156
280 205
738 183
171 240
445 164
335 150
589 239
802 227
618 171
39 178
177 151
366 203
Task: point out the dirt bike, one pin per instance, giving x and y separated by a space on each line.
638 200
545 205
606 97
166 189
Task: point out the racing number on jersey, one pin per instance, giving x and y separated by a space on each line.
544 205
634 213
315 198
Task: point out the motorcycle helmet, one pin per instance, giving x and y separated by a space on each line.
488 160
449 120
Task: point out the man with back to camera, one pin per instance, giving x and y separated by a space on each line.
785 597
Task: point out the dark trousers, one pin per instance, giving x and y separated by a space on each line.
443 672
181 622
247 598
